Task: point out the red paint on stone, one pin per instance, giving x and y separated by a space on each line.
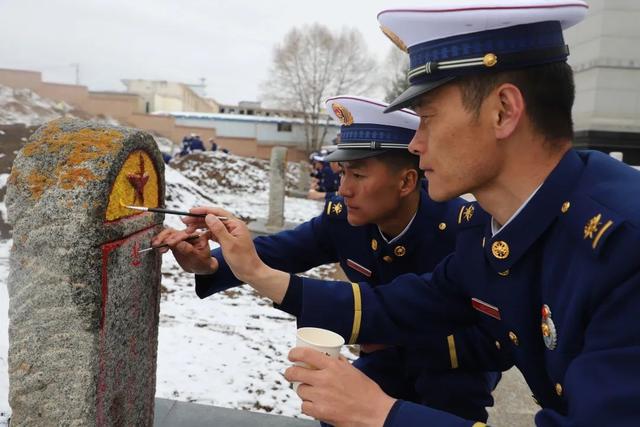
109 400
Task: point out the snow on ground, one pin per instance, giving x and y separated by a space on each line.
230 349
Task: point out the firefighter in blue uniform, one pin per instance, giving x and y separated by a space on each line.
385 226
545 263
326 174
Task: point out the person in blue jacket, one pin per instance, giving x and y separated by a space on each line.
326 174
545 262
384 225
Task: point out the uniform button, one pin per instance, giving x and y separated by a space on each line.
387 258
514 338
565 207
400 250
559 389
504 273
374 244
500 249
442 226
498 346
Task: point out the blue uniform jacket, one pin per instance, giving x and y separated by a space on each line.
558 291
328 180
365 256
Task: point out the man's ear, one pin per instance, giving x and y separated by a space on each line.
409 181
508 111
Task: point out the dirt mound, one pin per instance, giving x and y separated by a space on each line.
220 172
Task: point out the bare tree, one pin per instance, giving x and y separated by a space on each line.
394 70
312 64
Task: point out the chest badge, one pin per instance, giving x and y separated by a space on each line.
549 333
337 208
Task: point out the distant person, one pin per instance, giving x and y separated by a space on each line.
327 183
166 157
212 143
186 146
197 144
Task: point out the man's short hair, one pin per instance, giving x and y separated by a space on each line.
396 160
548 92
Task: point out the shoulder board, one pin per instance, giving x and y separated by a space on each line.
590 222
335 208
470 215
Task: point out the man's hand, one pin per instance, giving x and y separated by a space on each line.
315 195
337 393
240 253
194 256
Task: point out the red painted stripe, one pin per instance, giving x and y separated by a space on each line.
358 268
485 308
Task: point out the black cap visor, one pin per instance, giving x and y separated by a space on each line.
409 97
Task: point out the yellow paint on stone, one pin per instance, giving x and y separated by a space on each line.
73 148
123 191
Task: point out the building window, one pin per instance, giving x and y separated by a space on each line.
284 127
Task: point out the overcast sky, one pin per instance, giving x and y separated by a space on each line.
228 42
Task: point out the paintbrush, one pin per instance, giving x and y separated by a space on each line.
188 239
169 211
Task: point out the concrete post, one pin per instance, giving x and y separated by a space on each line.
276 187
84 304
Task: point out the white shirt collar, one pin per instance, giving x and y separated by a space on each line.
399 235
496 228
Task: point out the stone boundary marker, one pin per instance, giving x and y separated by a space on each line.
277 179
83 310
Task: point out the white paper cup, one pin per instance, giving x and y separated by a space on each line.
319 339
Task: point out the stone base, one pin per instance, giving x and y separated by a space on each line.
626 142
170 413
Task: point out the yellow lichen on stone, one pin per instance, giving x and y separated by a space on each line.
38 183
74 178
73 148
14 176
77 146
138 170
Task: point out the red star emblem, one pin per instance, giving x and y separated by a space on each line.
138 181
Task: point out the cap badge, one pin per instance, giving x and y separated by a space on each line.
394 38
342 113
549 334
